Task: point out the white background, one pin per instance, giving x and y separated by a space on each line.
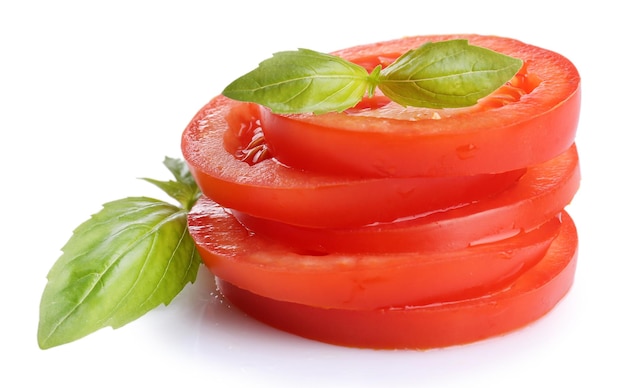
95 94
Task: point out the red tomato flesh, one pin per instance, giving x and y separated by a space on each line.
537 112
463 321
274 191
359 281
540 194
393 227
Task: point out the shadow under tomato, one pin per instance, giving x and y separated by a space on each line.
217 337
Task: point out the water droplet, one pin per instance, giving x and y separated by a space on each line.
466 151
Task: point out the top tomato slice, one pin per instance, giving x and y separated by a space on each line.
528 121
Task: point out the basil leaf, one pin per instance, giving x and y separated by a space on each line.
184 189
302 81
446 74
180 170
130 257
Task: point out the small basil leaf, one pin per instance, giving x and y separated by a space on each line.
302 81
446 74
184 189
130 257
180 170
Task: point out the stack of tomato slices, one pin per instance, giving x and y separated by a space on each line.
393 227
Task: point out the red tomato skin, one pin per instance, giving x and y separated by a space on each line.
333 173
541 125
540 194
358 281
274 191
529 298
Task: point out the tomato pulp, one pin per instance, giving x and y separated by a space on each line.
393 227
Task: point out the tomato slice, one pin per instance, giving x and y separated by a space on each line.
540 194
358 281
393 227
212 146
530 297
528 121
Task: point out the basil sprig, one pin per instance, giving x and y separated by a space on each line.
446 74
127 259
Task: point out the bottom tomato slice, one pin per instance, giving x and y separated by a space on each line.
530 297
359 280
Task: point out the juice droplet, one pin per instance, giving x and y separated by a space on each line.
466 151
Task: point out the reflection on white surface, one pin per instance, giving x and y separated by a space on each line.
214 335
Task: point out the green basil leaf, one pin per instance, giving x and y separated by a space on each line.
184 189
446 74
302 81
130 257
180 170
